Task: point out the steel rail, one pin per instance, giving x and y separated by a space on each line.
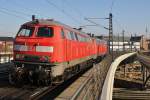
37 95
81 88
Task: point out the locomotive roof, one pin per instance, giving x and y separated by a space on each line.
52 23
43 22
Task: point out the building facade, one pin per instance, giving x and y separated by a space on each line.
132 43
6 49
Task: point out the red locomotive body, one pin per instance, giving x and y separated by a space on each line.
46 50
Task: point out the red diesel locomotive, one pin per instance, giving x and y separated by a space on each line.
48 51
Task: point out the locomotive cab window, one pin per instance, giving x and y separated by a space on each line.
45 32
25 31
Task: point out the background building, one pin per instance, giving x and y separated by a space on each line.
6 49
127 43
6 44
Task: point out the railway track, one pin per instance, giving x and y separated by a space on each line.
130 94
27 92
4 75
30 92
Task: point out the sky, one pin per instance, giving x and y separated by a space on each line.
130 15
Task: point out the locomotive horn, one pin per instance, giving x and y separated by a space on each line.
33 17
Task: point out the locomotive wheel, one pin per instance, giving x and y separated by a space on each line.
15 80
46 82
11 79
36 80
41 82
33 79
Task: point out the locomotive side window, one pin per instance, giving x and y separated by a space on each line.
87 39
76 36
82 39
79 37
62 33
68 35
45 32
25 31
72 35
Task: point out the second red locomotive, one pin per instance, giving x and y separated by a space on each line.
50 52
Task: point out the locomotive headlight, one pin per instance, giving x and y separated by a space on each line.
19 56
44 49
20 47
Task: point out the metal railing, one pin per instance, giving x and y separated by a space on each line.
108 85
92 87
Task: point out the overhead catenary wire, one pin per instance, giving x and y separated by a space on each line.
98 25
75 9
20 5
97 18
61 10
25 8
115 20
24 15
87 19
12 14
14 11
112 5
119 25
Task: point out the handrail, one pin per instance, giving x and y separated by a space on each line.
108 84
